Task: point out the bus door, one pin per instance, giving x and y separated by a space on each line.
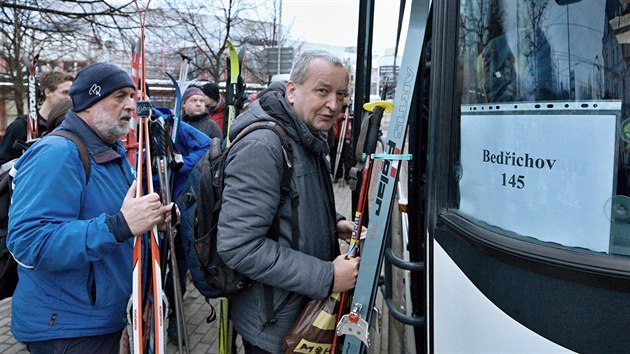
528 195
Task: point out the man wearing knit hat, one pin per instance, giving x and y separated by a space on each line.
72 235
214 103
196 114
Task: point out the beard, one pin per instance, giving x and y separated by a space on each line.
110 132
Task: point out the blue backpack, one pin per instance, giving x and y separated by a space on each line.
200 205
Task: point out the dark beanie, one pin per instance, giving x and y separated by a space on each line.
211 90
95 82
191 91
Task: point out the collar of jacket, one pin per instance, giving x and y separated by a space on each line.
100 151
202 116
218 108
42 124
277 106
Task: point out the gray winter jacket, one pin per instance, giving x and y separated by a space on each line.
251 198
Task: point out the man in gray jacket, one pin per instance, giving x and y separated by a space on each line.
309 105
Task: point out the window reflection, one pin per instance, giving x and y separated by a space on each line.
538 50
559 52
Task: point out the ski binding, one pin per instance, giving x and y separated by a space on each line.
353 324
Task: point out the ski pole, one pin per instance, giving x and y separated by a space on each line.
156 287
353 250
340 142
161 142
377 109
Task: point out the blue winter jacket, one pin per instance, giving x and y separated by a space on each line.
74 276
191 142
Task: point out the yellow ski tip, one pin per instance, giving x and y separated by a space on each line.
388 106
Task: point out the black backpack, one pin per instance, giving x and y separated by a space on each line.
200 205
8 266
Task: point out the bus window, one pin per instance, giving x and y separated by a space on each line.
544 129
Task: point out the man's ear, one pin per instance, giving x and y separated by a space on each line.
47 93
290 91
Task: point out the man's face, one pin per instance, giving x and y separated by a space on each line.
319 99
195 105
60 94
110 116
210 102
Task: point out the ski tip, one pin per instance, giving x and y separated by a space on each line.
231 47
135 45
387 106
185 57
170 76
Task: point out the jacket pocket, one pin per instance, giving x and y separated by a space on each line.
91 284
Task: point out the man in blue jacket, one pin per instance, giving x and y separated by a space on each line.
73 238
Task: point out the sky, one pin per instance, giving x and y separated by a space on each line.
335 22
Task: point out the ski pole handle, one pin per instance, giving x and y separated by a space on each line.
162 132
377 108
143 108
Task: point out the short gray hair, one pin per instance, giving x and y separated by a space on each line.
298 73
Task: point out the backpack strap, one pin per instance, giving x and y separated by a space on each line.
83 151
285 190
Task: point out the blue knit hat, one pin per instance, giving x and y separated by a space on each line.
191 91
95 82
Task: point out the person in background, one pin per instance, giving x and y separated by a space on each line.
73 239
305 108
196 114
215 104
55 85
57 114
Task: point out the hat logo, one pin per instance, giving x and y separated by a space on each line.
95 90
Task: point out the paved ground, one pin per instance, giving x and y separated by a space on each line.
202 335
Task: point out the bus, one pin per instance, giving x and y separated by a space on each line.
519 187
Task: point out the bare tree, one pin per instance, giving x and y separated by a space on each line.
55 28
85 31
264 34
200 30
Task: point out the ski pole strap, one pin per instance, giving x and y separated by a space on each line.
285 191
377 109
391 157
355 173
363 132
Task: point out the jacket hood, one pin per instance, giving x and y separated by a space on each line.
274 107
